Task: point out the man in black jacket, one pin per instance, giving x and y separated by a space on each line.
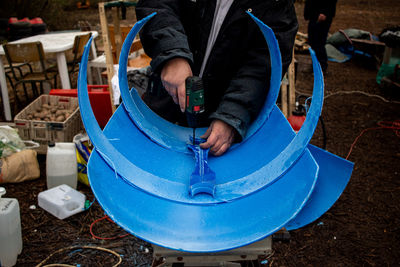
218 41
320 14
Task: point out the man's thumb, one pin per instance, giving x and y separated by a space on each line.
206 134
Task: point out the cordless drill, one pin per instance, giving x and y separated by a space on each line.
194 102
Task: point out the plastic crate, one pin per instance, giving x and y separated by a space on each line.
99 100
45 131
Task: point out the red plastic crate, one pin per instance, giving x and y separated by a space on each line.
99 100
36 20
12 20
26 19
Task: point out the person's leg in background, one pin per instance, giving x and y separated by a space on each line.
317 35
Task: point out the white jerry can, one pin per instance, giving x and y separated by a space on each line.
10 230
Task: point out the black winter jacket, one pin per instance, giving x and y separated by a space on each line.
313 8
236 77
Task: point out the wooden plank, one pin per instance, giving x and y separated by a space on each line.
117 32
107 49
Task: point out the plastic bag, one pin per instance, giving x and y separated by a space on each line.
83 150
10 142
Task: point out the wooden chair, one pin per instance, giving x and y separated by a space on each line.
100 62
115 47
19 67
28 53
75 55
77 51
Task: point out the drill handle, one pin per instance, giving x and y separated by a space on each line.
194 95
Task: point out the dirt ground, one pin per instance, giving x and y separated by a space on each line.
361 229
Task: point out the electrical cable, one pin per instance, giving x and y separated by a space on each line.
305 95
353 92
393 125
363 93
103 238
305 107
78 247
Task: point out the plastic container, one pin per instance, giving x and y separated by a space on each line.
44 132
62 201
61 165
99 100
10 230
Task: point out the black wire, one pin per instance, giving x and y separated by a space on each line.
320 119
298 97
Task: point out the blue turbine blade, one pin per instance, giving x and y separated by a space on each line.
334 174
139 171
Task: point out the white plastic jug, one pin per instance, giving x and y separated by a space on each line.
62 201
61 165
10 230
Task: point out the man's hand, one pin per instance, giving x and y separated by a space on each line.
219 136
173 76
321 18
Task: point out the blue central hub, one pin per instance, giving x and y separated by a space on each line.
202 179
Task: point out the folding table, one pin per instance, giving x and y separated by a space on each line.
53 42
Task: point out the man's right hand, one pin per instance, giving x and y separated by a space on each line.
173 76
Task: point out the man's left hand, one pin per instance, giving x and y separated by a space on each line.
321 17
220 136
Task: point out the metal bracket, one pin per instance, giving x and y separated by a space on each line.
168 258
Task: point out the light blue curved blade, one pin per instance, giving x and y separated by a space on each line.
143 185
334 174
276 76
161 131
264 170
202 228
172 136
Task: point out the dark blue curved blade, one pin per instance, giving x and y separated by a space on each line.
334 174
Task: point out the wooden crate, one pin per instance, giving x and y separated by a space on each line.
44 132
